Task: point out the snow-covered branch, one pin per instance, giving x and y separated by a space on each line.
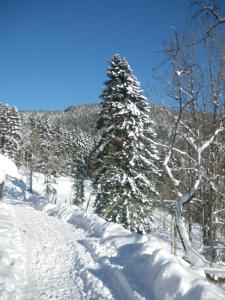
207 143
177 150
169 172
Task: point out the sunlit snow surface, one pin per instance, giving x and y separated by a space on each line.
8 167
50 251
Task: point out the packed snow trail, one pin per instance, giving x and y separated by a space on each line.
62 252
62 262
48 256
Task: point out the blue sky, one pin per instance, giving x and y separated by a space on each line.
54 53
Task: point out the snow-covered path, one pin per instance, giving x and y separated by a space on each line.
62 252
62 261
48 247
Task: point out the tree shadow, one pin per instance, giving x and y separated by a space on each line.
117 272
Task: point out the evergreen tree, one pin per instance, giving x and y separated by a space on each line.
79 175
29 154
126 159
10 130
80 149
49 183
58 145
47 166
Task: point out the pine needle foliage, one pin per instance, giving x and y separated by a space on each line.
126 159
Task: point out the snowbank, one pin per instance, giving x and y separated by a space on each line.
157 274
2 176
8 167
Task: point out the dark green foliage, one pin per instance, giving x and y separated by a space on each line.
79 175
126 159
10 130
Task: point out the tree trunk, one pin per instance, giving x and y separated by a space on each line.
174 239
31 180
190 222
208 228
193 256
212 233
1 190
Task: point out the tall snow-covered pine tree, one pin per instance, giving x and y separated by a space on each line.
126 159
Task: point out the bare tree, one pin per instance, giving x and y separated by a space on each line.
210 11
196 84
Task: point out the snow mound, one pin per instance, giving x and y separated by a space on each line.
8 167
145 261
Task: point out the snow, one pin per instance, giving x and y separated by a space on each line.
59 251
2 176
8 167
158 274
179 72
63 188
12 272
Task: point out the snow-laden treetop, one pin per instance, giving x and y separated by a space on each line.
121 80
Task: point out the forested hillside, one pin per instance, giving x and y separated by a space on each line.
63 143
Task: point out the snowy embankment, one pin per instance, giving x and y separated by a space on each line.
7 167
146 264
12 273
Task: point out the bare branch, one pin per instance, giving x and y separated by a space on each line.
210 10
